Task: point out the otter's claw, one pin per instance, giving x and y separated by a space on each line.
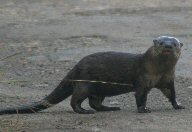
143 110
177 107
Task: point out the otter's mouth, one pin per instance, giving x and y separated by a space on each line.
167 52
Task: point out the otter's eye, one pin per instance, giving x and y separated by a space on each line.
175 44
161 43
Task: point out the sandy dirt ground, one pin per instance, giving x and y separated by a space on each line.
41 40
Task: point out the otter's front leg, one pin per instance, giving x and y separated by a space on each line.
169 92
141 99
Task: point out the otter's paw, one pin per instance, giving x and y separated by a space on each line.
177 107
143 110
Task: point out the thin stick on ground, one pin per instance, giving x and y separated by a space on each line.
7 57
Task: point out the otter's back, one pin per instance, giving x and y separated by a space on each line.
109 66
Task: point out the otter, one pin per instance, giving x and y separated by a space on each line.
106 74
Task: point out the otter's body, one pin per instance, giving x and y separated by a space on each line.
112 73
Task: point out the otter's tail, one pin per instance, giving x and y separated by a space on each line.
63 90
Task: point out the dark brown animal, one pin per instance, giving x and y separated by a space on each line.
112 73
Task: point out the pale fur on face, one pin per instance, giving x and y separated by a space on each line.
159 43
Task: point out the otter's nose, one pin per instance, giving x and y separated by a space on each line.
168 46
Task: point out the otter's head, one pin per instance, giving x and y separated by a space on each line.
167 47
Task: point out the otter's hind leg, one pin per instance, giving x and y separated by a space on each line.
96 103
80 93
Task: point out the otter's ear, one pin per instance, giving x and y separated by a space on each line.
181 44
156 42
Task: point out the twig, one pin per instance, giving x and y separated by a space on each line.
10 56
12 81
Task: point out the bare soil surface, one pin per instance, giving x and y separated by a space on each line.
41 40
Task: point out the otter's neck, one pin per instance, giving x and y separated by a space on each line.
156 63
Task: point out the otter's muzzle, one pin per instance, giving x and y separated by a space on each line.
168 49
